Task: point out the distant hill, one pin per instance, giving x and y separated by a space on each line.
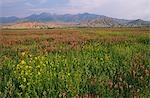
6 20
34 25
110 22
138 22
46 17
102 22
84 19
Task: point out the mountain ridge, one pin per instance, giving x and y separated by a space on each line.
82 19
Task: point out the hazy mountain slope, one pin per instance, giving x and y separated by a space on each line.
46 17
43 17
138 22
101 22
5 20
84 19
111 22
79 17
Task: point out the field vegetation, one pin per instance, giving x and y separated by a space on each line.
75 63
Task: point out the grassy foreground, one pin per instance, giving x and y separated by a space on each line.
75 63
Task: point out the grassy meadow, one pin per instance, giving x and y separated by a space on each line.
75 63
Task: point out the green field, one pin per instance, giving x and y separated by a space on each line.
75 63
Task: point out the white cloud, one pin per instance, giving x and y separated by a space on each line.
86 5
127 9
130 9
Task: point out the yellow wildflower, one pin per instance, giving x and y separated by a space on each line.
18 66
39 73
30 67
28 83
22 86
68 74
23 62
42 57
26 73
22 72
44 65
36 58
26 67
24 79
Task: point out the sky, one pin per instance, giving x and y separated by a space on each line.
123 9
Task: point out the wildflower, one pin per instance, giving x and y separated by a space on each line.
38 66
18 66
30 67
30 74
141 78
22 72
30 55
41 62
19 77
41 69
24 79
44 65
26 73
23 53
22 86
28 83
46 62
39 73
68 74
15 72
21 67
26 67
23 62
42 58
36 58
101 59
138 90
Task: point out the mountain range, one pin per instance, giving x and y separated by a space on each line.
84 19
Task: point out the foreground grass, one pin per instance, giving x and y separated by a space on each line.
76 63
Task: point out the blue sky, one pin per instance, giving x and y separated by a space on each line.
127 9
